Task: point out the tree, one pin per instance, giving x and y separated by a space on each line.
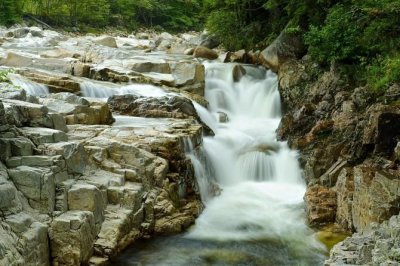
10 11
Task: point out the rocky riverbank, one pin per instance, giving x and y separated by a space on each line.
349 139
81 178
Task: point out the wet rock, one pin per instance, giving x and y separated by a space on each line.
223 117
189 51
55 82
253 57
204 52
238 72
20 33
238 56
12 92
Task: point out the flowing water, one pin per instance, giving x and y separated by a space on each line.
31 87
258 218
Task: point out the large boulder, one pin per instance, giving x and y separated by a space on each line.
204 52
287 45
106 41
174 107
72 236
208 40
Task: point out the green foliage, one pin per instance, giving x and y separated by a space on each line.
384 72
338 39
4 75
10 11
356 32
238 24
175 15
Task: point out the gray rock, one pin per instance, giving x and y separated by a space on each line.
107 41
209 41
37 185
74 155
377 246
44 135
85 197
32 238
286 46
72 236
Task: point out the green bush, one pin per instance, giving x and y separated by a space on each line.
338 39
384 72
10 12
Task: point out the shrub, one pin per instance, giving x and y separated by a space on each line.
338 39
384 72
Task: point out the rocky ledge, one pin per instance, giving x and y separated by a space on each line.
349 143
77 184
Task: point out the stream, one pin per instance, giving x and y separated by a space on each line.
251 184
257 214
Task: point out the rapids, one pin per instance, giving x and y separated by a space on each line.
257 217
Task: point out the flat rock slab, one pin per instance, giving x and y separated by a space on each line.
41 135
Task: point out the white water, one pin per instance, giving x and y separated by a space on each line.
104 90
262 188
31 87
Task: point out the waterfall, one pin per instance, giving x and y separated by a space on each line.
260 179
31 87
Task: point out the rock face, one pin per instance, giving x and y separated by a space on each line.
348 139
76 189
377 246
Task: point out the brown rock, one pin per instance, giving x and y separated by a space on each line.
321 205
204 52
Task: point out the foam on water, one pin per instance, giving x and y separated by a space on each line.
105 90
261 182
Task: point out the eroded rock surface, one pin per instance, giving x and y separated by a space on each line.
77 188
348 138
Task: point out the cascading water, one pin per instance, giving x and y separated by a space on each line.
31 87
104 90
261 184
257 218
